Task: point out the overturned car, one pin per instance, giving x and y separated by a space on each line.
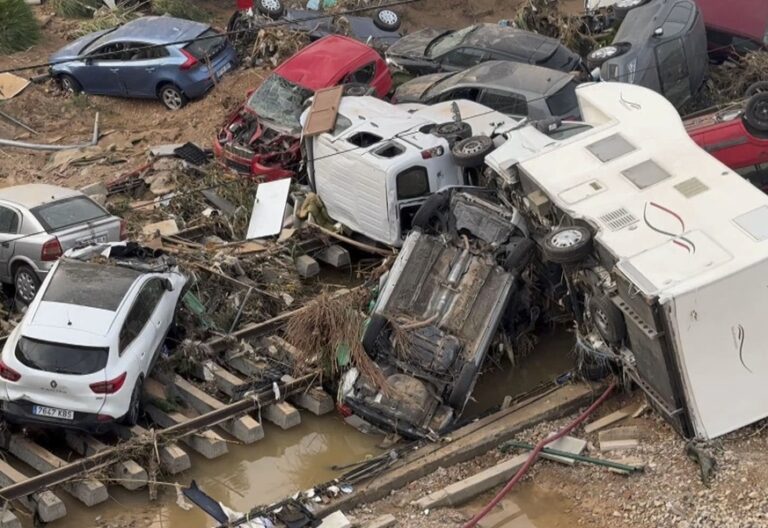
439 310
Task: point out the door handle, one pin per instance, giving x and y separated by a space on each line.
114 70
6 244
150 70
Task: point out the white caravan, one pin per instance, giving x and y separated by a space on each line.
665 249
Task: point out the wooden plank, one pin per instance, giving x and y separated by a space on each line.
322 115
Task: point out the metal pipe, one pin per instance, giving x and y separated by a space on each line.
16 122
54 148
581 458
240 311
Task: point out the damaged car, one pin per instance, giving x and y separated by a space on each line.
456 279
79 357
434 50
508 87
662 249
262 137
662 45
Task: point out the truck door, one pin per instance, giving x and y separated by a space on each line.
412 189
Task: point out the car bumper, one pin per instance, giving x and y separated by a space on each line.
20 413
249 166
202 80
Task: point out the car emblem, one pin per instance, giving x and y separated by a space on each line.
54 384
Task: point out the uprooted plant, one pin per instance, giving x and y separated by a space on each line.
18 26
546 17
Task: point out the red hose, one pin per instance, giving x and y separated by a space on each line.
535 454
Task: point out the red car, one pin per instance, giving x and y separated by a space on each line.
734 26
737 136
262 137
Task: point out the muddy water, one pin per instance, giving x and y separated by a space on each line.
545 509
280 464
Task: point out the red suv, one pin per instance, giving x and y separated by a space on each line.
737 136
261 138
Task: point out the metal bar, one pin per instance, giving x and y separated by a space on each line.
240 311
40 146
581 458
18 123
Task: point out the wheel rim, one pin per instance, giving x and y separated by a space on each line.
450 128
605 53
272 5
566 238
601 320
472 147
66 84
761 111
25 286
172 99
388 16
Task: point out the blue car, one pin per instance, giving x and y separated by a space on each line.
138 59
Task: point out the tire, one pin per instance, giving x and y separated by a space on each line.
69 84
131 418
434 208
453 131
568 245
622 7
386 20
172 97
273 9
26 282
372 331
756 113
471 152
356 89
598 57
518 254
462 387
756 88
608 319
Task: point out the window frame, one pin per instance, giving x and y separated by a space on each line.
17 224
140 303
348 78
445 59
423 171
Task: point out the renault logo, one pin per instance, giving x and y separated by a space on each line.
54 384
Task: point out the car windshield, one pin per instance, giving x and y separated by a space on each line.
208 47
279 100
67 213
447 42
96 42
61 357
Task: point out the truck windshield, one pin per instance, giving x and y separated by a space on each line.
61 357
68 213
447 42
279 100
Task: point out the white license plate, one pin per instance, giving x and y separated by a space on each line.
52 412
92 240
224 69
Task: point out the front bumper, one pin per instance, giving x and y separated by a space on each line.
20 412
249 166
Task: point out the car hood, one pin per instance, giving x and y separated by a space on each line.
415 44
74 48
414 90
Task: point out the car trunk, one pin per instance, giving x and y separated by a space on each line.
77 222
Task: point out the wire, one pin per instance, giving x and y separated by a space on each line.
268 25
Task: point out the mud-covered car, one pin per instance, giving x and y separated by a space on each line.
435 50
662 45
261 138
456 280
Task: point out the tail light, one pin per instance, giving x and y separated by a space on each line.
8 373
432 153
109 387
345 410
191 61
51 250
123 229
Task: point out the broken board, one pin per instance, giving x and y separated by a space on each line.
11 85
269 209
322 114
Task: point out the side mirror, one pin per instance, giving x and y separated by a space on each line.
168 285
658 32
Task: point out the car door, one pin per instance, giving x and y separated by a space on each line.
462 58
139 74
99 72
9 232
139 339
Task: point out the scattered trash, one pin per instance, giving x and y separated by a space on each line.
164 228
11 85
39 146
192 153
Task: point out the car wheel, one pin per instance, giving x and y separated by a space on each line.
453 131
69 84
608 319
26 282
596 58
386 20
373 329
272 8
568 245
357 89
756 113
756 88
622 7
131 418
471 152
172 97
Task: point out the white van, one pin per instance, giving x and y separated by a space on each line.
381 162
666 254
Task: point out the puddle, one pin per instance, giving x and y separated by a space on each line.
527 506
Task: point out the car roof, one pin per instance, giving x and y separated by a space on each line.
36 194
318 65
530 80
90 284
748 18
155 30
635 27
518 42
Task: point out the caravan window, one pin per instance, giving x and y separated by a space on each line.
412 183
364 139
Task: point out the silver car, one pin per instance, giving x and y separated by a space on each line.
38 223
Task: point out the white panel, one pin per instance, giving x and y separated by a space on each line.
269 208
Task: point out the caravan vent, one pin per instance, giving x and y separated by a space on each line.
618 219
691 187
610 148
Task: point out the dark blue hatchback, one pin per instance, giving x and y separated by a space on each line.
139 59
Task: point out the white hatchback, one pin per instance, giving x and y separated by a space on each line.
80 355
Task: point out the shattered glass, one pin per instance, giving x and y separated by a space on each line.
280 101
447 42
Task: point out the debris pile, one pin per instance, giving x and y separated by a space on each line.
547 18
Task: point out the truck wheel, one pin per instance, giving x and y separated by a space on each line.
756 113
568 245
608 319
372 331
26 282
756 88
518 254
386 20
271 8
471 152
434 208
453 131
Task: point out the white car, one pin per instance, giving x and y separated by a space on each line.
80 354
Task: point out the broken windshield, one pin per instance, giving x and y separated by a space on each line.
447 42
279 100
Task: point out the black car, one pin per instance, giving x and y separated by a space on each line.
433 50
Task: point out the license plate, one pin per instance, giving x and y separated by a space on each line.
92 240
52 412
224 69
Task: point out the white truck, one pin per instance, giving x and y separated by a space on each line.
664 250
382 161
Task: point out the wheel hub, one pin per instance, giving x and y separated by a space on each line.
567 238
272 5
25 286
171 99
388 16
472 147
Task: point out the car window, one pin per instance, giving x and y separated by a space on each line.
468 93
67 213
670 58
505 102
115 51
448 41
142 309
210 45
464 57
412 183
9 221
363 75
677 19
564 102
144 51
62 358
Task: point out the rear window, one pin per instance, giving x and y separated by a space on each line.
564 102
68 213
60 357
208 47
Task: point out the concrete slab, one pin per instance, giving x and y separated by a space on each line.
500 517
334 255
336 520
128 473
611 418
207 443
48 506
282 414
567 444
385 521
7 518
619 438
618 445
225 381
173 459
306 266
315 400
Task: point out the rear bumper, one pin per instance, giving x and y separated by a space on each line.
20 413
202 81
